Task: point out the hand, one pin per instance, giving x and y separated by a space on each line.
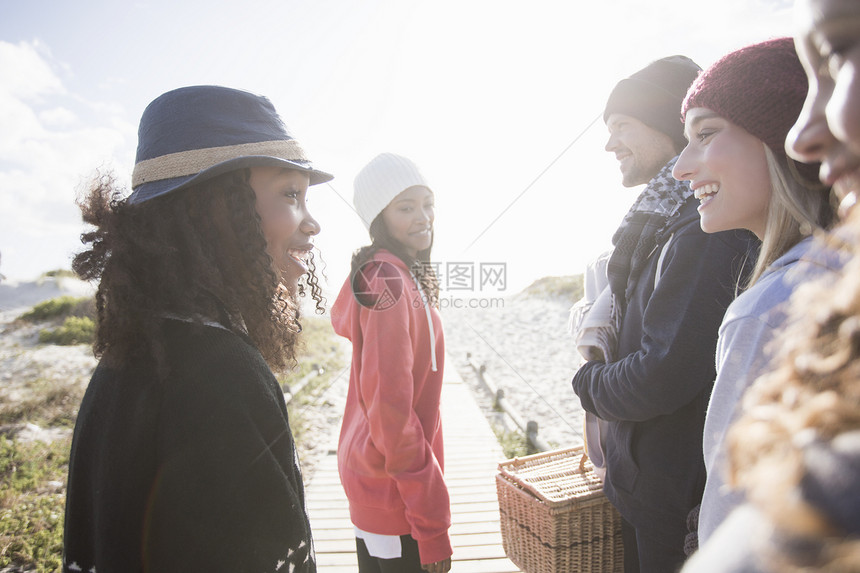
439 567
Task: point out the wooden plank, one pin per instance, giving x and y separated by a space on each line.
332 518
339 546
336 534
497 565
475 516
472 457
346 561
321 514
478 491
476 539
476 506
464 528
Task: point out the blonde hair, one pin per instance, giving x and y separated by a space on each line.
796 211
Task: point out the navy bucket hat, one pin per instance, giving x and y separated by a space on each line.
192 134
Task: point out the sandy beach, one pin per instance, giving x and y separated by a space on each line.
528 353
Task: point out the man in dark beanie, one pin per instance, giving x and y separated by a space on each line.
669 284
652 96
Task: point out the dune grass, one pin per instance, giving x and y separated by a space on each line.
32 503
50 404
322 358
567 287
70 320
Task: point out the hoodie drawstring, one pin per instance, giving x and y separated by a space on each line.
429 322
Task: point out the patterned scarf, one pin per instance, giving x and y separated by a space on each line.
641 231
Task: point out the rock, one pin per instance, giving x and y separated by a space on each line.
33 433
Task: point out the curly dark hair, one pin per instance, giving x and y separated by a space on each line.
420 266
199 253
810 397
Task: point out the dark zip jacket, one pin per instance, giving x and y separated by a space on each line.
655 396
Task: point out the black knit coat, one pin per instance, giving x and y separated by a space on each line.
196 472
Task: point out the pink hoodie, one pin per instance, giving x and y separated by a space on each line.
390 453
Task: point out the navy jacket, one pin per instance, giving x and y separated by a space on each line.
655 396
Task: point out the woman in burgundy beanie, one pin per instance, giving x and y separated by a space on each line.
737 114
760 88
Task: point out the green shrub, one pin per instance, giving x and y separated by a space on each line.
60 308
32 504
514 444
75 330
61 273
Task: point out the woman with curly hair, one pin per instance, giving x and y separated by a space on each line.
390 453
182 457
796 448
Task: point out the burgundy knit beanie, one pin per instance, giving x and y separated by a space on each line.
760 88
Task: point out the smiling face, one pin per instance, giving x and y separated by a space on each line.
641 150
409 219
728 172
287 223
828 129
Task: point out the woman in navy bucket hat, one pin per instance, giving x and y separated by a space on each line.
182 457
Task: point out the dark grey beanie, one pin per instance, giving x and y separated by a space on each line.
654 94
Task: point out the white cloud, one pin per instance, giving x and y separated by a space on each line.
25 72
58 117
48 146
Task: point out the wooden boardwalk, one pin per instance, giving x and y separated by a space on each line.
472 454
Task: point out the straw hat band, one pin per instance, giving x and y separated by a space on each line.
194 161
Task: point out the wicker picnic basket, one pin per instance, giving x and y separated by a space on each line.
555 517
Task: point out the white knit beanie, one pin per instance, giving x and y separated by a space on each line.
384 178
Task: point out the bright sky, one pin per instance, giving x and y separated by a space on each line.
485 95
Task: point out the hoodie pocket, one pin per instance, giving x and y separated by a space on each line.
621 463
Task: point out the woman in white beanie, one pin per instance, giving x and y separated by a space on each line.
390 454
